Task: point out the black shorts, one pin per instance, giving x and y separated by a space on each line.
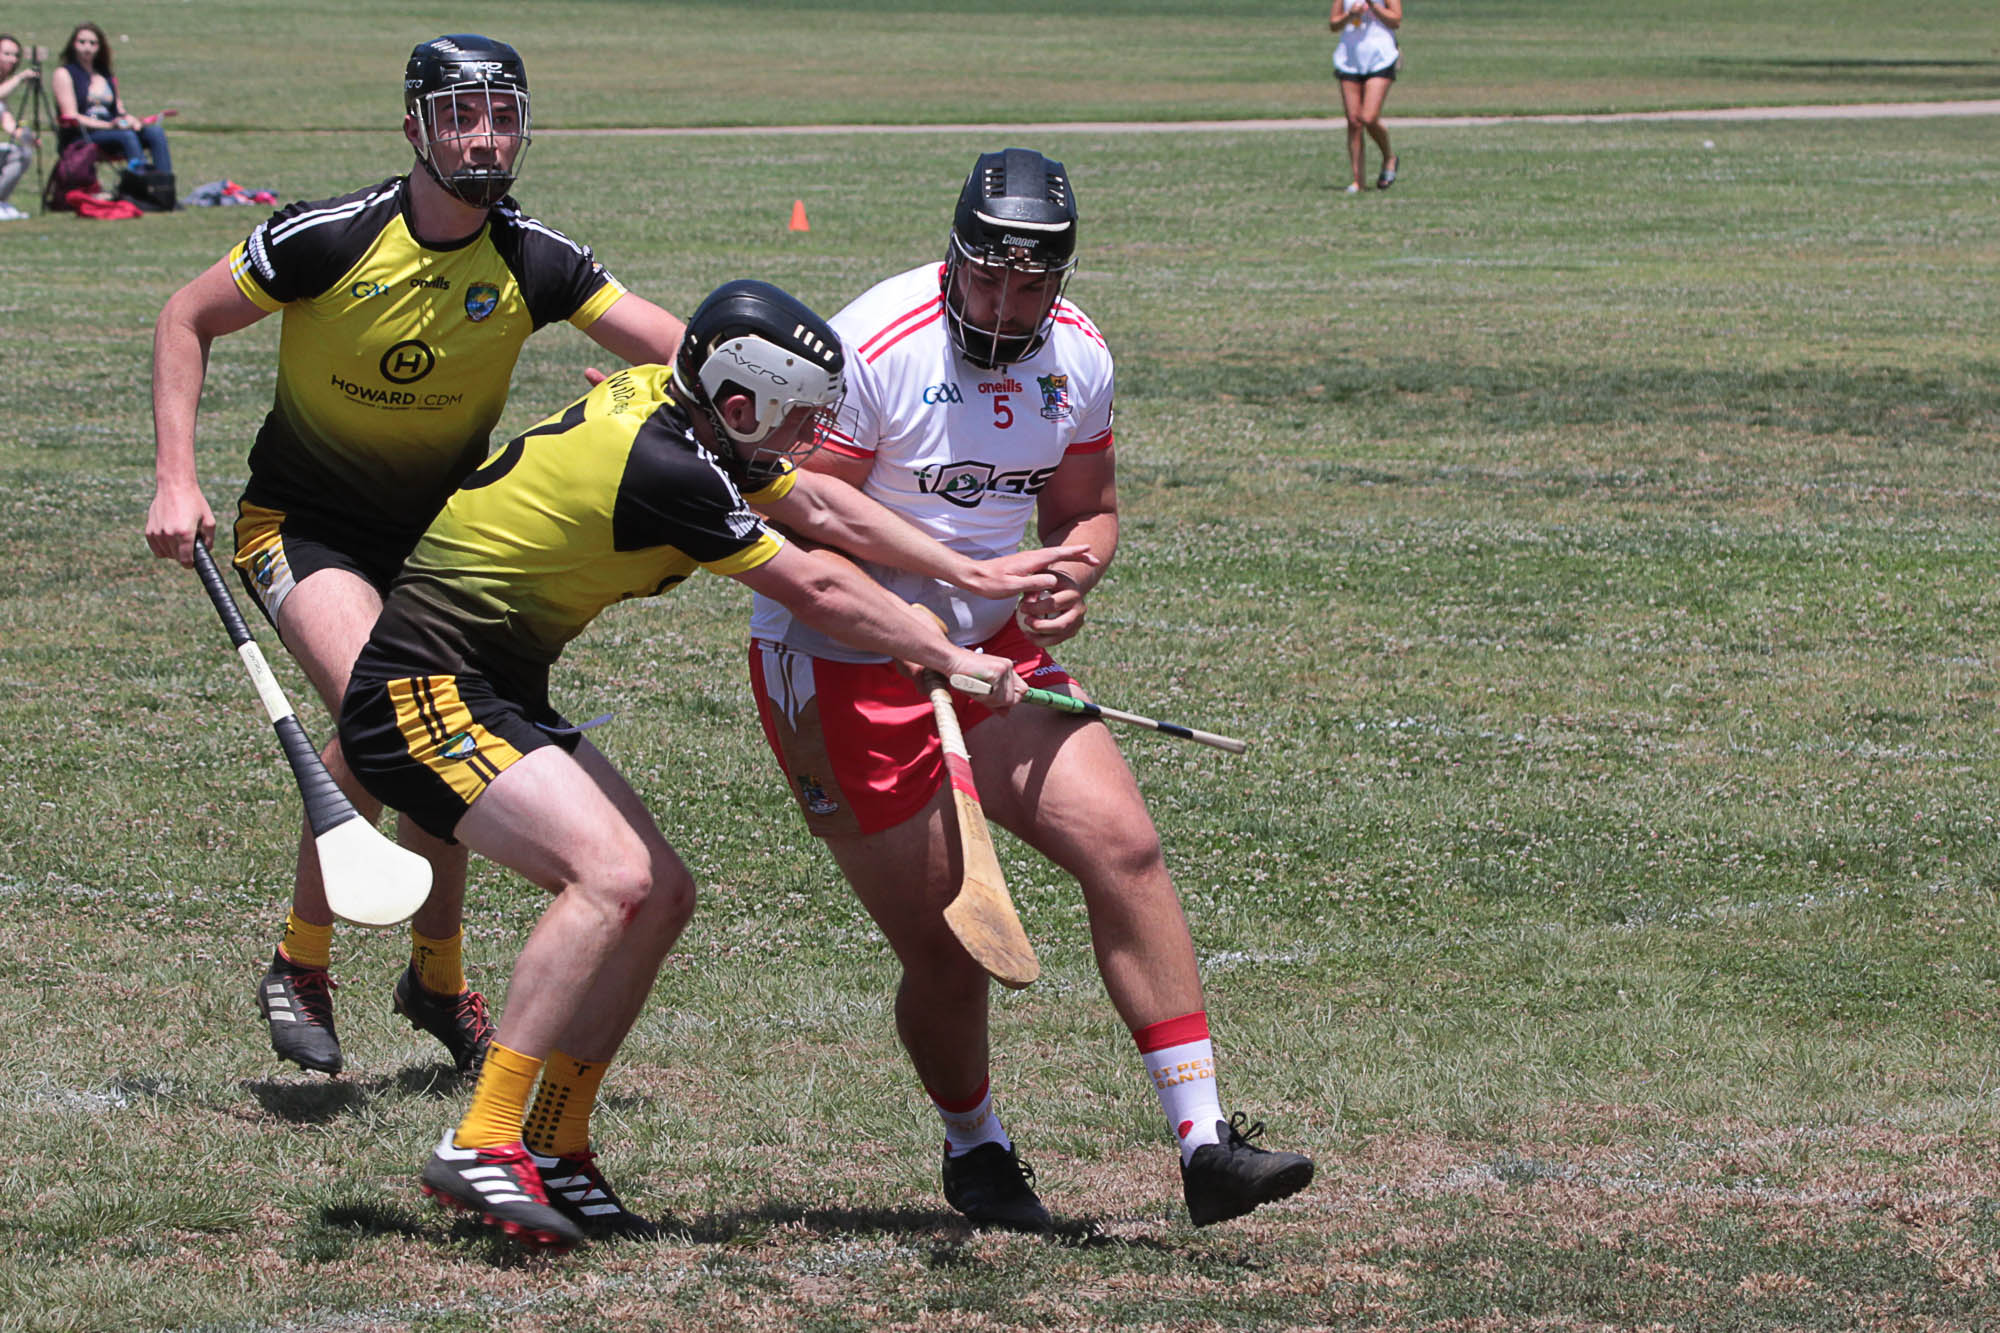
1389 74
429 746
276 551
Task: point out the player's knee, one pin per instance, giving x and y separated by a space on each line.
1123 853
671 893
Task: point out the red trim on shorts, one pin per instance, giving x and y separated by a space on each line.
1173 1032
878 755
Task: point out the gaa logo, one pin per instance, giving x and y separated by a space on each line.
407 362
942 393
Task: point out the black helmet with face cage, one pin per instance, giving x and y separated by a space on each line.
458 65
1015 213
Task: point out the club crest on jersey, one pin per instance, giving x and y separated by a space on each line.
481 299
1055 396
814 796
461 746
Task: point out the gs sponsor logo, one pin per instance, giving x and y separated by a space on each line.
966 484
942 393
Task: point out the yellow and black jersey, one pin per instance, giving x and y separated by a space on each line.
395 354
610 499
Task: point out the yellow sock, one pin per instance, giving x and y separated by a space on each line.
494 1118
307 945
440 964
559 1126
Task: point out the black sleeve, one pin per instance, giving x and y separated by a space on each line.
557 275
303 249
674 494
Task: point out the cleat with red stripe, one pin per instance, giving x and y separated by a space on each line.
459 1021
503 1187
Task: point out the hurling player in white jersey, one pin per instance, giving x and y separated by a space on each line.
979 399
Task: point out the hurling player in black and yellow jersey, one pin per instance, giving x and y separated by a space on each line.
651 476
404 308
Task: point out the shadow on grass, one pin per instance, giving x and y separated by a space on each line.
951 1230
315 1100
332 1233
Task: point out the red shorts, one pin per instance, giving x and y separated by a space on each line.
856 740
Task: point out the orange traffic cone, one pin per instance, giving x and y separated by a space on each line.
799 222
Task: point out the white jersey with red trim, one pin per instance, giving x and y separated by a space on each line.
960 451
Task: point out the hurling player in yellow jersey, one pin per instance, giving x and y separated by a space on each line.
405 306
648 478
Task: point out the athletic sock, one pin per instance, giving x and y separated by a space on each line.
1180 1060
440 964
559 1123
971 1122
307 945
499 1102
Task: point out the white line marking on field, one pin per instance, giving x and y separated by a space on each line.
1851 111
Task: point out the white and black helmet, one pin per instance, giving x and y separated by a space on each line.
748 337
1015 212
458 65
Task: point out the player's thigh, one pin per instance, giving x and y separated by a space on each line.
319 586
548 817
905 876
1062 786
325 623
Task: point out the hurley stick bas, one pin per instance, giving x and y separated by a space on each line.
982 916
370 881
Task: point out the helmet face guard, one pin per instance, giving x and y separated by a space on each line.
753 340
1013 242
466 93
985 335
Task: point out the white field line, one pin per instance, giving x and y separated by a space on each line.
1853 111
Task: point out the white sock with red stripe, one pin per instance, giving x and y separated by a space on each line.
969 1123
1180 1060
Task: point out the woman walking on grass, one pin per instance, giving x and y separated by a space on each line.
1365 61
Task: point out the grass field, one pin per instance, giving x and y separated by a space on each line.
1596 534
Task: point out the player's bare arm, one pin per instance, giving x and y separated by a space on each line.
828 593
639 331
1079 506
826 506
194 317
